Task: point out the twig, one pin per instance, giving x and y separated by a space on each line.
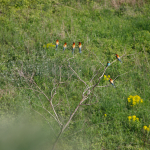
40 90
96 57
72 8
103 74
46 110
122 74
52 95
44 118
85 97
103 86
78 76
58 103
99 79
90 104
50 100
60 73
86 127
95 75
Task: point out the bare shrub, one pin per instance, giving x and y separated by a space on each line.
117 3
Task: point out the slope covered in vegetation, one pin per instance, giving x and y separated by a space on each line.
57 88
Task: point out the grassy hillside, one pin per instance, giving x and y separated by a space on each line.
48 84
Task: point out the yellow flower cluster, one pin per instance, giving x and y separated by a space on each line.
134 100
146 128
133 118
106 77
105 115
48 45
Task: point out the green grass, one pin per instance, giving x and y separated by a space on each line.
103 30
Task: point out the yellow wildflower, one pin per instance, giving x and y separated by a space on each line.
105 115
134 103
129 117
105 77
137 97
148 129
134 100
51 45
129 100
130 96
134 117
145 127
141 100
108 77
137 119
47 45
138 101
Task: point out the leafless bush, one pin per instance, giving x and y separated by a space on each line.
117 3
